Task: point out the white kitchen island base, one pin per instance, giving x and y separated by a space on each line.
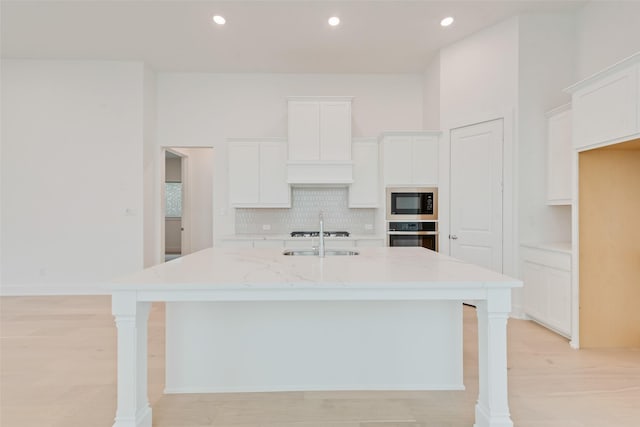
307 346
386 276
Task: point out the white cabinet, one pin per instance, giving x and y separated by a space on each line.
247 242
546 272
606 105
410 158
370 243
319 128
559 152
257 173
364 191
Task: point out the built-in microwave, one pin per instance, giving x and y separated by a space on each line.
405 203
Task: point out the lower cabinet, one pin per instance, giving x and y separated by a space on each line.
547 287
251 243
301 243
370 243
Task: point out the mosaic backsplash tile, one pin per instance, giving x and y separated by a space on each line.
304 213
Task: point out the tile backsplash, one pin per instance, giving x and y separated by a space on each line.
306 204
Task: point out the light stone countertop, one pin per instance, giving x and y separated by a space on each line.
288 237
267 269
563 247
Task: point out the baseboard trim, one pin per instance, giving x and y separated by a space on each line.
311 387
52 289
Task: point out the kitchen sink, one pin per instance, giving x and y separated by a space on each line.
314 252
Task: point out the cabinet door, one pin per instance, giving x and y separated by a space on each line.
363 193
335 131
606 109
533 276
424 161
304 134
244 173
559 161
397 152
274 189
559 299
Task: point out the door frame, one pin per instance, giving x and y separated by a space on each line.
510 234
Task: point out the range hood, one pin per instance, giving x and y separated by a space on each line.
323 172
319 140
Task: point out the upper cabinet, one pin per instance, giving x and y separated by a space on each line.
606 106
410 158
364 191
559 152
319 132
319 128
257 173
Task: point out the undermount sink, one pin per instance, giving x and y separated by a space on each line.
315 252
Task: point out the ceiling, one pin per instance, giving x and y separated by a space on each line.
260 36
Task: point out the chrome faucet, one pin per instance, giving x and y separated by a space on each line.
321 237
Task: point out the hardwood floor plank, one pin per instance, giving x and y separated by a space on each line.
57 368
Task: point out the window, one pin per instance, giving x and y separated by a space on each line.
173 197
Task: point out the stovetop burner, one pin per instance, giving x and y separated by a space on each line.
317 233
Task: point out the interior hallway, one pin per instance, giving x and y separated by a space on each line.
58 369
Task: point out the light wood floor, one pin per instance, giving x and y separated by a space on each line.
58 369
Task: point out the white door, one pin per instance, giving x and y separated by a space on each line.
476 194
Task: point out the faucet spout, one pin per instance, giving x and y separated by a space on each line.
321 238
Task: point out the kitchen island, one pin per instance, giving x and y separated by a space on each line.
321 298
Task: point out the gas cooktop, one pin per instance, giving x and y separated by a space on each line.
317 233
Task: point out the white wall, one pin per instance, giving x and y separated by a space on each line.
546 66
72 138
431 95
197 109
479 82
607 33
150 170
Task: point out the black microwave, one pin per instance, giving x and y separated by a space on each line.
405 203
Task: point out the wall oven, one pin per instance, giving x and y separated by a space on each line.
418 233
412 204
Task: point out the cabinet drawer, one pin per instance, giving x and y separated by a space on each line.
558 260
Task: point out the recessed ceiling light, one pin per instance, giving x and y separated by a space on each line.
446 21
334 20
219 20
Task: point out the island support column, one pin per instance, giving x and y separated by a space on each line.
131 317
492 408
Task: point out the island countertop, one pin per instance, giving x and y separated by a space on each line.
240 319
375 267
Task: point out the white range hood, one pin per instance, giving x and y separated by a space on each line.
319 140
320 172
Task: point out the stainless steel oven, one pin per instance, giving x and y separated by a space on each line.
410 204
414 233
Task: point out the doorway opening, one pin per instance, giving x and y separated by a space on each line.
173 206
186 201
